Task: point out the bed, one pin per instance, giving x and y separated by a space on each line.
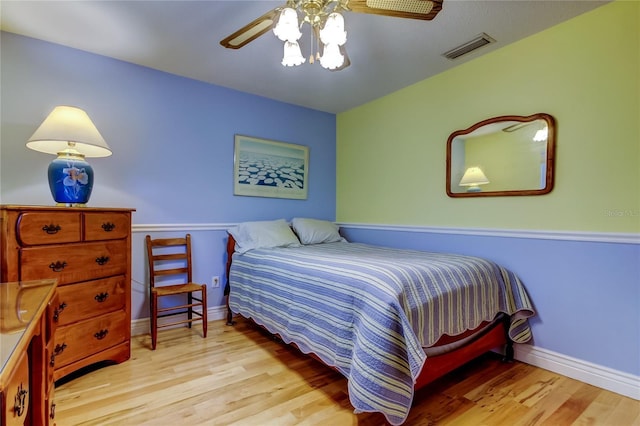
390 320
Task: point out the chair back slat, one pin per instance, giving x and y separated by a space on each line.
172 256
172 271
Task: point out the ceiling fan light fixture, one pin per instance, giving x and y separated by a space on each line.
288 28
331 57
333 31
292 54
327 25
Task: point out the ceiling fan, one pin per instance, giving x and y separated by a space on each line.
327 24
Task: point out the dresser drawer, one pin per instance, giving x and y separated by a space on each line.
17 394
74 262
91 298
77 341
106 226
39 228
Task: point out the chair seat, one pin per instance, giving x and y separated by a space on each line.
176 289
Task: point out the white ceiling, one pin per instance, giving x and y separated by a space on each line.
182 37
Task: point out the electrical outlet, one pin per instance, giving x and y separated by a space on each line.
215 282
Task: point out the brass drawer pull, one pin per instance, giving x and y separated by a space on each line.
52 413
51 229
57 311
59 349
58 266
102 260
101 297
52 361
20 401
101 334
108 226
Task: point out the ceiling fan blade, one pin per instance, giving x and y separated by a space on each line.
252 30
413 9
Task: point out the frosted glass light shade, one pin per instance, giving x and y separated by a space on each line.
287 28
541 135
292 54
331 57
333 31
68 127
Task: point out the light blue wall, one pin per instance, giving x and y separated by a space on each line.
172 140
586 293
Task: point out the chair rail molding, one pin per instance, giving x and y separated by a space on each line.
601 237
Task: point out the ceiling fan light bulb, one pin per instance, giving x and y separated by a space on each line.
541 135
331 57
288 28
292 54
333 31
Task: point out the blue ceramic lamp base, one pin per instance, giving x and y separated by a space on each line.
70 179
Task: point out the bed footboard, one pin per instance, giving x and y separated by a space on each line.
495 337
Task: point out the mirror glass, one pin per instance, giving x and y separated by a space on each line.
507 155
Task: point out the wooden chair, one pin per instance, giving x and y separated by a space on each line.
170 263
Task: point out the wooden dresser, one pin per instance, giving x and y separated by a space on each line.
88 251
27 331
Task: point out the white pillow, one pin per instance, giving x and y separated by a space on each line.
314 231
263 234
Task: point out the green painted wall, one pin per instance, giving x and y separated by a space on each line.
585 72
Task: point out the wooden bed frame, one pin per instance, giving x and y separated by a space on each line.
438 365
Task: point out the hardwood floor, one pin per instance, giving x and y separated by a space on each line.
241 376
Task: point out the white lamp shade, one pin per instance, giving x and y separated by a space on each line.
473 176
292 54
331 57
65 125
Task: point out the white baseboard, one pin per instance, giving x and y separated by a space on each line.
141 326
603 377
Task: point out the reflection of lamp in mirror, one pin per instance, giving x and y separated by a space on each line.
473 178
69 133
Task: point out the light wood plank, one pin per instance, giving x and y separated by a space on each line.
242 376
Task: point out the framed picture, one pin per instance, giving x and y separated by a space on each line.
266 168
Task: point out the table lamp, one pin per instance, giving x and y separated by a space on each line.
69 133
473 178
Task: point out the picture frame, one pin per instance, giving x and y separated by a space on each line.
268 168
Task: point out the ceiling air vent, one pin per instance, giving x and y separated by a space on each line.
481 40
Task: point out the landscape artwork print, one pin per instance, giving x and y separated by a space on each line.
265 168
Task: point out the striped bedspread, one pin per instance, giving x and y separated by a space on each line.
368 311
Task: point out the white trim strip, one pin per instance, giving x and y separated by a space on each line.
141 326
598 237
182 227
603 377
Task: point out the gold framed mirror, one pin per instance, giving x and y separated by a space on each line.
502 156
